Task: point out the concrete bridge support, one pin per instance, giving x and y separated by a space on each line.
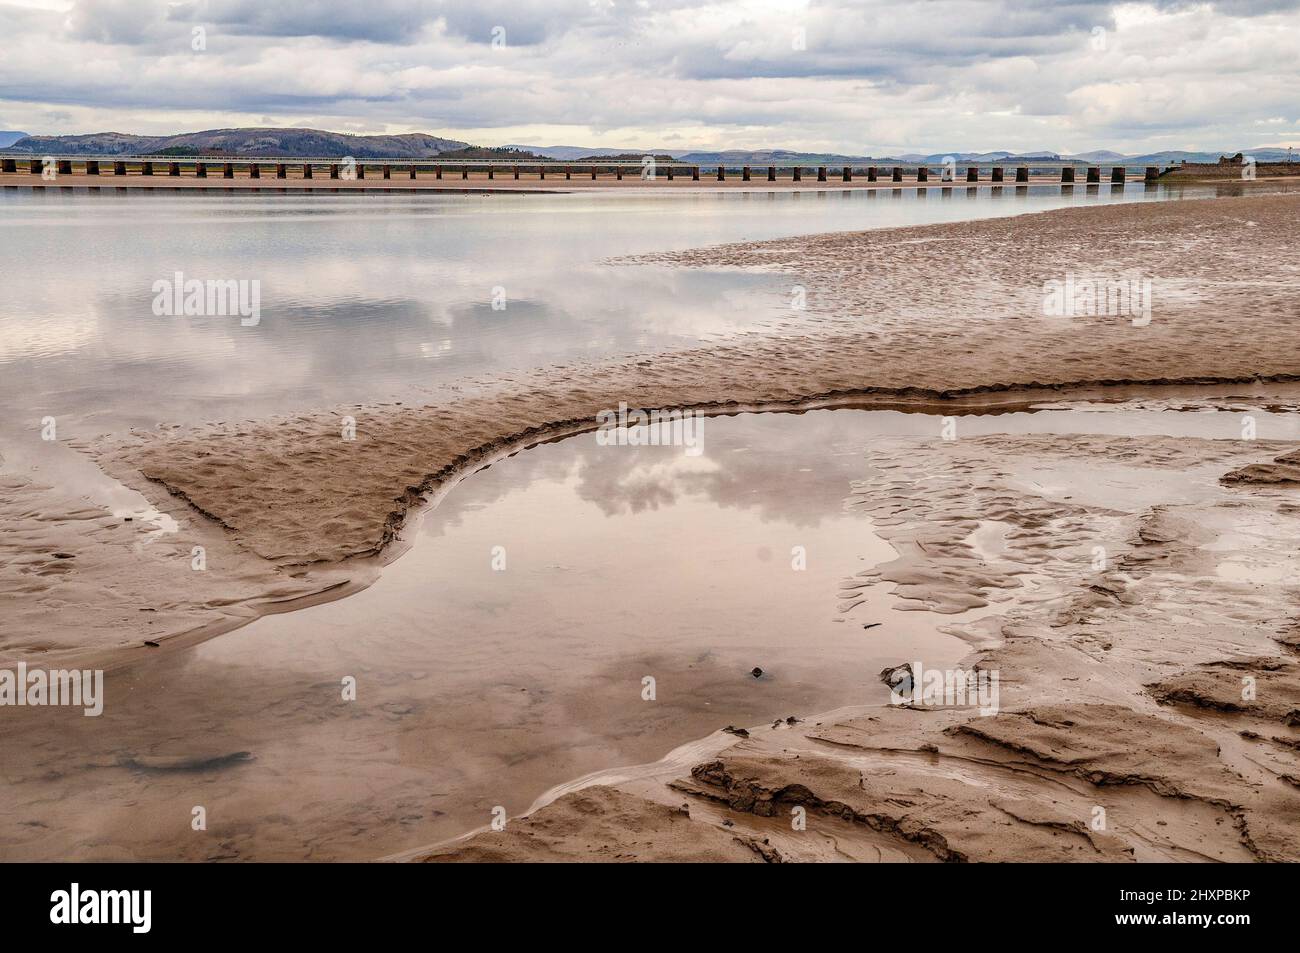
847 175
1022 173
821 173
254 171
146 168
437 172
1117 175
412 173
798 174
744 174
200 170
923 174
1153 173
898 174
593 173
35 166
973 174
998 174
334 170
8 165
1094 174
516 171
722 174
871 173
1067 173
490 175
228 170
173 169
119 168
670 173
695 173
464 172
388 172
771 173
282 171
64 166
307 170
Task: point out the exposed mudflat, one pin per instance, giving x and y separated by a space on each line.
916 314
1149 691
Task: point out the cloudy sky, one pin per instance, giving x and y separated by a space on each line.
852 76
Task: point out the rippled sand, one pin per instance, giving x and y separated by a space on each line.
1147 655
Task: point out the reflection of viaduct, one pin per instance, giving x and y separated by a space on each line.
206 167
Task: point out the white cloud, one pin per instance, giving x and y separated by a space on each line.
874 76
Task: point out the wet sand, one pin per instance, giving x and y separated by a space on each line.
927 316
1123 732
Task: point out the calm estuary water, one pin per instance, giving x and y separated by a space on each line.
385 296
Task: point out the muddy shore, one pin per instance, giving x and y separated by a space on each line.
1121 685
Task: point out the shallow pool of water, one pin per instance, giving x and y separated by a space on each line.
508 649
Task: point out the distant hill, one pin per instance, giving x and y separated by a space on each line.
490 152
573 153
8 138
245 142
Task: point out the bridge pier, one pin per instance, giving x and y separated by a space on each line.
254 171
871 173
36 166
998 174
437 172
490 175
568 173
541 172
334 170
722 174
848 174
92 166
1094 174
282 171
64 167
922 174
228 170
388 172
898 174
8 165
821 173
200 170
1153 173
744 174
771 173
1117 175
973 174
412 173
306 170
798 174
1022 173
1067 173
695 173
516 171
119 168
464 172
146 168
593 173
670 173
173 168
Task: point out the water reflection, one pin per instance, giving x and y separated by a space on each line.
370 297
